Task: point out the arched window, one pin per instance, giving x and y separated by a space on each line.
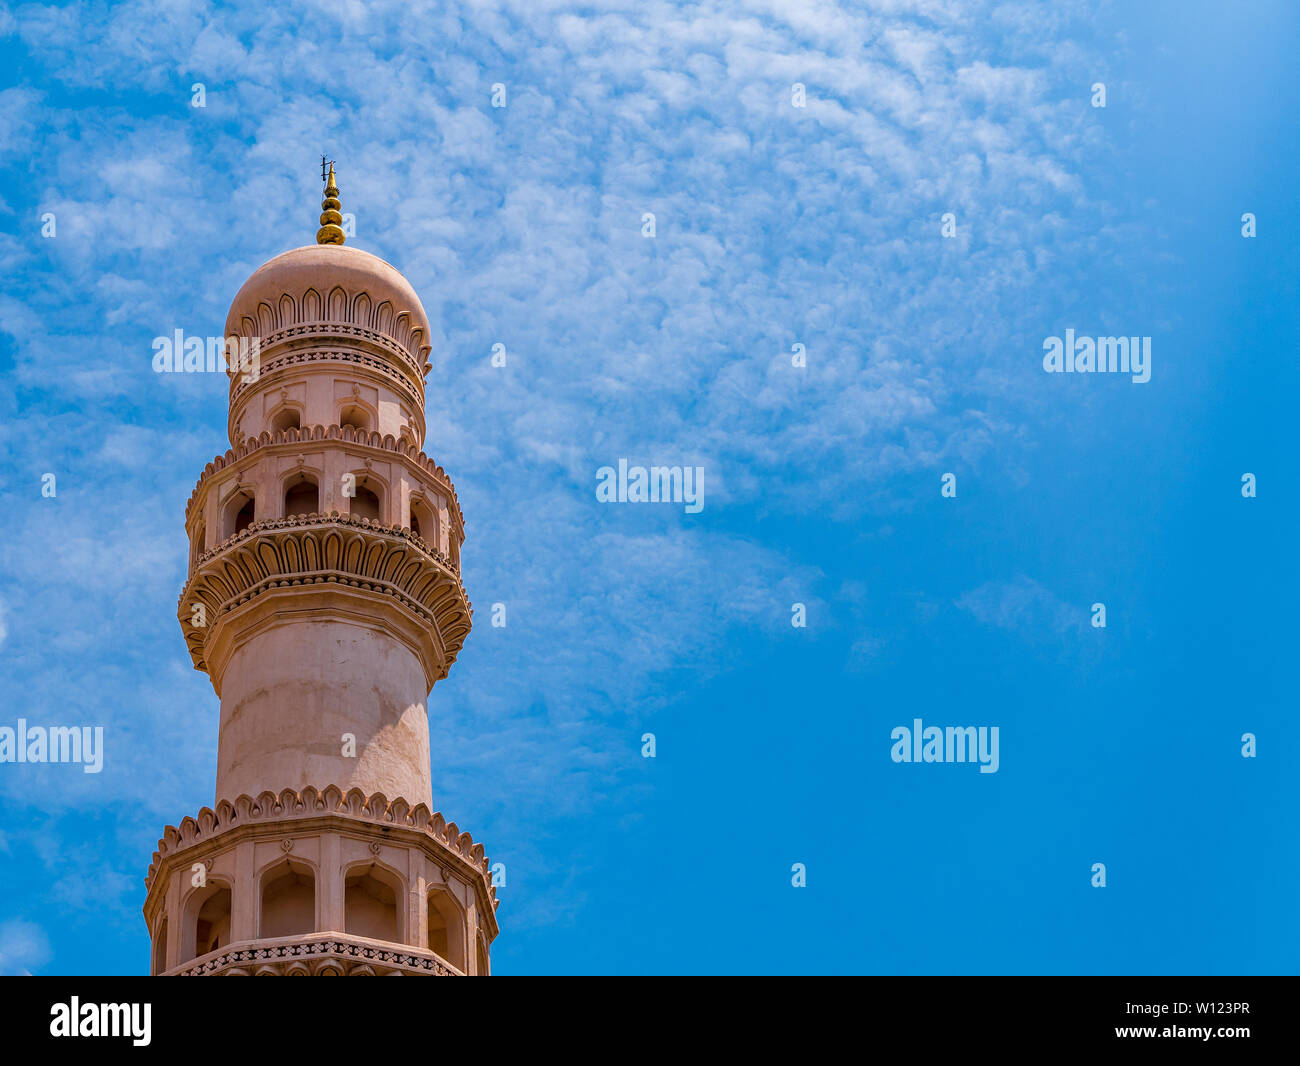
288 900
301 496
160 948
197 544
423 522
238 512
365 504
446 929
355 416
286 418
371 898
207 921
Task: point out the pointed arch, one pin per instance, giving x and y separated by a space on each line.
238 511
159 963
338 305
287 899
361 309
265 318
300 492
374 901
311 306
205 919
370 496
448 927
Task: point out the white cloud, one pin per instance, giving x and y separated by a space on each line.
522 225
23 947
1027 608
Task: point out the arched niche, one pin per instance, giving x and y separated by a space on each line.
374 902
288 899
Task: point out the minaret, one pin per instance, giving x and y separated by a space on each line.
324 601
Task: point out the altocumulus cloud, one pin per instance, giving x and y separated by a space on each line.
23 947
775 225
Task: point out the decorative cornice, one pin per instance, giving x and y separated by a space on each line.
320 550
289 805
339 308
347 434
299 344
317 957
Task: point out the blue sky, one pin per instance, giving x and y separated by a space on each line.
775 225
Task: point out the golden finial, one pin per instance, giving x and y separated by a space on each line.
331 222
